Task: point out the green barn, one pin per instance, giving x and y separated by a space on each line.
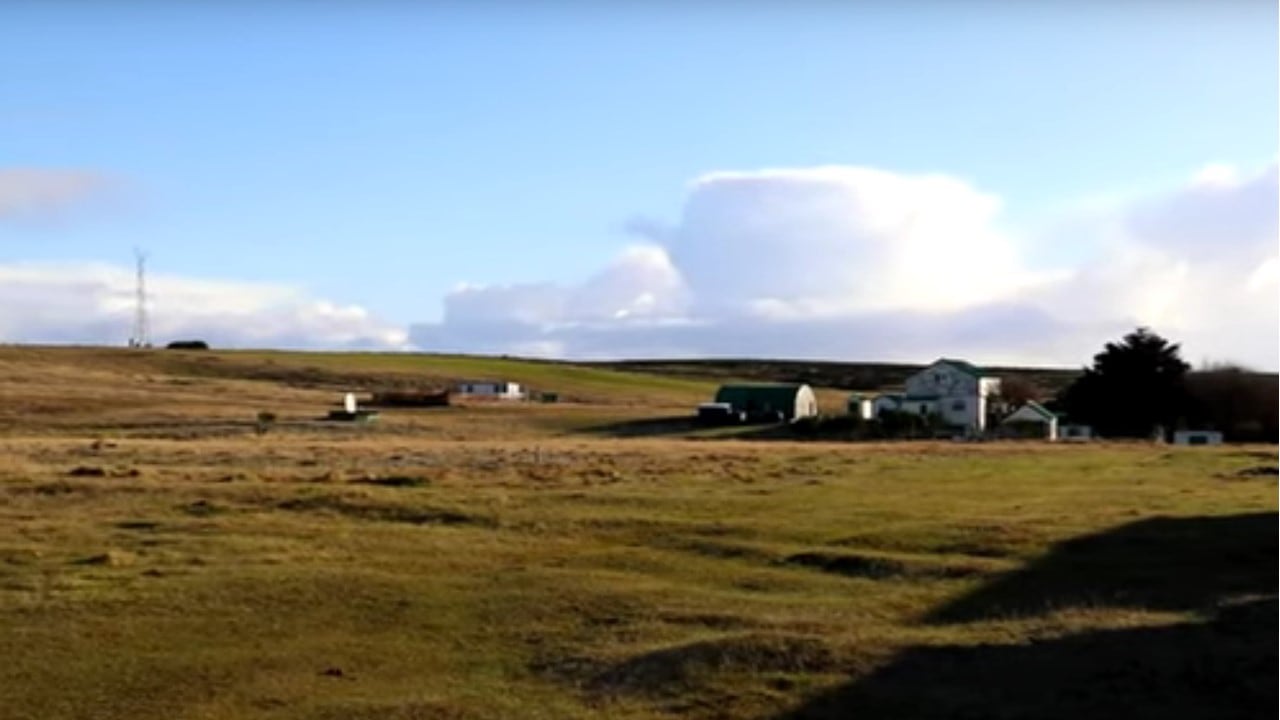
768 401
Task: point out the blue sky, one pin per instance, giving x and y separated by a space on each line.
380 153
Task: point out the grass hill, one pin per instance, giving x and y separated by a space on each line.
161 558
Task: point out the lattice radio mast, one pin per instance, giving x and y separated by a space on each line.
141 337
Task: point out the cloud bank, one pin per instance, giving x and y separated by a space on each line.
94 303
829 262
860 263
28 194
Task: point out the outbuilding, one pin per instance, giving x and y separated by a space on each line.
1032 420
491 388
861 406
769 401
1197 437
1075 432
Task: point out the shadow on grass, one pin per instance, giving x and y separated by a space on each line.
648 427
1216 670
688 426
1223 667
1160 563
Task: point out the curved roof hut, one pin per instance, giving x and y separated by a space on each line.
764 401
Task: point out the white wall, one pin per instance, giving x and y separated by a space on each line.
883 403
862 408
1197 437
962 398
1025 414
507 390
806 402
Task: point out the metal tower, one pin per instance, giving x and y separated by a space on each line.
141 337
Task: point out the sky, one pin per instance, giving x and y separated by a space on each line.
1008 182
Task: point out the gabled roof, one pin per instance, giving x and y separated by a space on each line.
1039 409
964 367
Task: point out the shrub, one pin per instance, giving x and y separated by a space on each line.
266 419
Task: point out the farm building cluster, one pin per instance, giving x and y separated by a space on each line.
950 398
955 396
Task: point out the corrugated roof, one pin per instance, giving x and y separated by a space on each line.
777 396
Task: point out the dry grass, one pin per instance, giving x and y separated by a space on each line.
159 559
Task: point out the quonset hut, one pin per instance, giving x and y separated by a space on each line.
761 401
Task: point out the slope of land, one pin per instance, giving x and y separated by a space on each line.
159 558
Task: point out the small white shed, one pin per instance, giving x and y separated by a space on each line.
860 406
1197 437
1031 420
1075 432
491 388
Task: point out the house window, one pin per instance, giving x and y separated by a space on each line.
958 406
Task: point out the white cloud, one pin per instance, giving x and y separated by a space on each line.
641 282
94 303
859 263
837 240
31 193
831 262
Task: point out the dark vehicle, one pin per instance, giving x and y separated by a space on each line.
720 414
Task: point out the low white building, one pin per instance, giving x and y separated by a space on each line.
954 390
1032 420
1197 437
861 406
499 389
1075 432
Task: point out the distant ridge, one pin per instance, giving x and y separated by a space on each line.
821 373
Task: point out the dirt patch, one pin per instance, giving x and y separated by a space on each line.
57 487
87 471
110 558
382 512
878 567
1259 471
97 471
391 711
673 670
722 550
396 481
202 508
137 525
714 621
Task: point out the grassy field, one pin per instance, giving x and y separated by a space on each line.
160 559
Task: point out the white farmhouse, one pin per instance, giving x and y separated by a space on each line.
491 388
954 390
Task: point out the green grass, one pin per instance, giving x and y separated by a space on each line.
595 579
158 559
573 382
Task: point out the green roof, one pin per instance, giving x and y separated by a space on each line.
778 396
963 366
